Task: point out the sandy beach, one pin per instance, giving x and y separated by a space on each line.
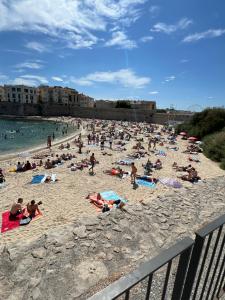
65 200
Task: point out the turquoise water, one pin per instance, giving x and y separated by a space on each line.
18 135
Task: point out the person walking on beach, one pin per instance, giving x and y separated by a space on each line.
133 173
110 143
49 142
92 161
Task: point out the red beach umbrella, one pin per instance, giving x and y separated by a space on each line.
183 133
192 138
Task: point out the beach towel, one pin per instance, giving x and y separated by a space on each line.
161 153
9 225
37 179
41 178
125 162
145 183
111 195
171 182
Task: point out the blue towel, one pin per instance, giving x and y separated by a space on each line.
145 183
37 179
111 195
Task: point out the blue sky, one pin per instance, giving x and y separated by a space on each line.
171 51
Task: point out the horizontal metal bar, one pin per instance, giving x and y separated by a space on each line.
120 286
203 232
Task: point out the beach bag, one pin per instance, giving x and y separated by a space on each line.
25 221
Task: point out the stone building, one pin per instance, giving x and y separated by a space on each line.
20 94
139 104
2 94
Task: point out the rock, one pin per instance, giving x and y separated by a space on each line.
116 249
90 221
117 228
101 255
127 237
70 245
39 253
36 294
34 281
80 232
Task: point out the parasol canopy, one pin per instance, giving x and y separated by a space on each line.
192 138
183 133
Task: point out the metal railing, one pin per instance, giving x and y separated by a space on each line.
188 270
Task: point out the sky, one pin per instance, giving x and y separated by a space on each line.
170 51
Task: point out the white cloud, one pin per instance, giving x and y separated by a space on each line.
153 93
3 77
168 29
30 80
120 39
65 18
124 77
183 61
146 39
56 78
37 47
36 64
170 78
209 34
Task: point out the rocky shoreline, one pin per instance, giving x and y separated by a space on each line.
74 261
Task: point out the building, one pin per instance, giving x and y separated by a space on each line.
20 94
2 94
134 104
64 96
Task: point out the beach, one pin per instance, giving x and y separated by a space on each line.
64 201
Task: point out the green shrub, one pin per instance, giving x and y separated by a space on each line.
222 165
214 147
206 122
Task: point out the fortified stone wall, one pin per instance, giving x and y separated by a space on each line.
124 114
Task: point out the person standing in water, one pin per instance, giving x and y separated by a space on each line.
49 142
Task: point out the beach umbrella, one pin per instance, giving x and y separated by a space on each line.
192 138
183 133
171 182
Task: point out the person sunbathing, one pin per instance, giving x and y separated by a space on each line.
32 208
16 209
100 202
48 164
2 177
158 164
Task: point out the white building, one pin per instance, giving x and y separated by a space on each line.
20 94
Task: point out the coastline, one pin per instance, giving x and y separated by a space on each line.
40 148
32 150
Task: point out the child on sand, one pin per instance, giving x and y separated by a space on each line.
133 173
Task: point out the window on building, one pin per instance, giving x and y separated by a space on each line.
26 90
18 89
31 101
14 95
31 97
13 89
26 101
26 97
19 96
31 91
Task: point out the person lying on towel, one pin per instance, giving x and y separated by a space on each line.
100 202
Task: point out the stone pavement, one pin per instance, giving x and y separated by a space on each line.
79 259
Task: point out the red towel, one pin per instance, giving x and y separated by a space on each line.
8 224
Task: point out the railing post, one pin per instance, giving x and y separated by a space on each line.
181 274
193 266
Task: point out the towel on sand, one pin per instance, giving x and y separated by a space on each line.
8 224
145 183
111 195
41 178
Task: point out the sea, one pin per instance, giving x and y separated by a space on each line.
18 135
